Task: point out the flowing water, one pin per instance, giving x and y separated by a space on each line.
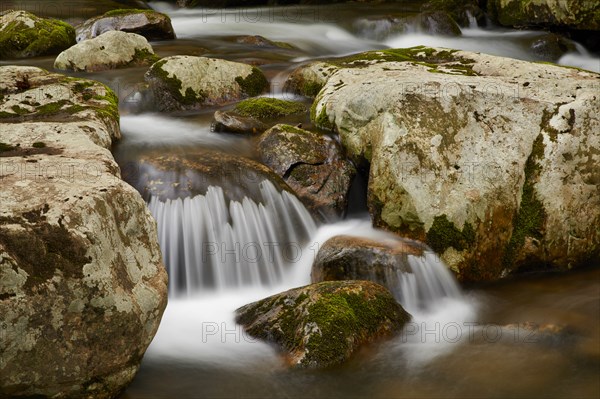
222 253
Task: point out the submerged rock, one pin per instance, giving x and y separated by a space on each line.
489 160
110 50
322 325
186 82
255 115
312 164
23 34
261 41
571 14
358 258
82 284
148 23
177 176
550 47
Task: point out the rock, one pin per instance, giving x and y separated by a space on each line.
464 12
261 41
567 14
322 325
22 35
489 160
148 23
178 176
438 23
232 122
255 115
308 79
312 165
185 82
550 47
358 258
82 284
113 49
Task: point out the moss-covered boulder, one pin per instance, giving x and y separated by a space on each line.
569 14
82 284
22 34
111 50
148 23
308 79
186 82
255 115
489 160
357 258
322 325
312 164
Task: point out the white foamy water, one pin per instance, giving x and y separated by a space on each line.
202 329
156 130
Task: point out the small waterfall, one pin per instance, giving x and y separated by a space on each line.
472 20
207 244
429 283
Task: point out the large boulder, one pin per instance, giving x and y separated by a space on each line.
113 49
322 325
82 284
357 258
22 34
255 115
312 164
570 14
186 82
490 160
148 23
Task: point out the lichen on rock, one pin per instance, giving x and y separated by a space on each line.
80 264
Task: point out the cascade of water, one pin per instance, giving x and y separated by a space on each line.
207 244
472 20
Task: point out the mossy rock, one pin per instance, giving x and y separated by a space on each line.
268 107
151 24
111 50
49 99
186 82
23 34
322 325
569 14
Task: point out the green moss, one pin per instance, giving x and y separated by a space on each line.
19 110
321 120
291 129
126 11
420 55
530 218
174 85
51 108
444 234
47 36
266 107
6 147
38 144
144 57
311 89
253 84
